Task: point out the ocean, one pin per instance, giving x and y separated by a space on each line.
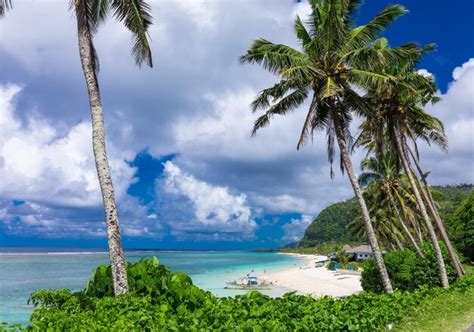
24 270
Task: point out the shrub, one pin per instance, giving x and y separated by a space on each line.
172 303
331 265
407 270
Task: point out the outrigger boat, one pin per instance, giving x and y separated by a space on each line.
246 283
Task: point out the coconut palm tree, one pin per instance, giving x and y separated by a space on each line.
400 103
432 207
136 16
386 195
335 57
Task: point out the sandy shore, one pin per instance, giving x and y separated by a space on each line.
316 281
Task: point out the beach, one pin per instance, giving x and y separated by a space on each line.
315 281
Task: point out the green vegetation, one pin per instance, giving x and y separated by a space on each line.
330 227
408 271
461 226
159 300
452 311
325 248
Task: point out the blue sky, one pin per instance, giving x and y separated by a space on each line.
187 173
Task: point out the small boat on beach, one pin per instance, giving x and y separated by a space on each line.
247 283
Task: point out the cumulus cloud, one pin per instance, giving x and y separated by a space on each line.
37 163
294 230
193 103
456 110
54 177
215 211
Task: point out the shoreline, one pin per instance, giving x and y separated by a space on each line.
314 281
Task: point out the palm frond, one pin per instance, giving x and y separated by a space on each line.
364 35
307 129
274 57
286 104
5 5
136 16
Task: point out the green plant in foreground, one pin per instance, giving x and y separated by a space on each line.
407 270
163 301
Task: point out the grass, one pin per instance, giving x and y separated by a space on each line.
447 312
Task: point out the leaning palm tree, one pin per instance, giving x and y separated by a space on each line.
136 16
401 103
386 193
336 56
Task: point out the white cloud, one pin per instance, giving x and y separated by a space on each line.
294 230
458 72
225 130
456 110
36 163
424 73
201 12
56 178
215 209
282 203
302 9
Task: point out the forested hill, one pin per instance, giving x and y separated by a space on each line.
330 224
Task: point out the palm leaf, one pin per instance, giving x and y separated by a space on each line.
4 6
364 35
274 57
136 16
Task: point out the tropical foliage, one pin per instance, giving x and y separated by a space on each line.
331 226
392 205
408 271
461 227
171 302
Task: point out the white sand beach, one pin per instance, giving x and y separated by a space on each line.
316 281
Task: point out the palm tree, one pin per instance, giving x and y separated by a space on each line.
336 56
428 197
136 16
386 196
401 103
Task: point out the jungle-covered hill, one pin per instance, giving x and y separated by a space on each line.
330 224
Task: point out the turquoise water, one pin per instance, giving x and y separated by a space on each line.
21 273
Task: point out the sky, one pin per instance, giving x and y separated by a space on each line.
187 173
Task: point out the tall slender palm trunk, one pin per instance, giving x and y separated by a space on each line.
117 261
387 285
425 191
439 256
407 232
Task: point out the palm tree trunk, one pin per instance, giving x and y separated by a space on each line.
416 226
117 261
387 285
425 191
442 268
407 231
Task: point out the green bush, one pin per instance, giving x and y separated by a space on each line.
331 265
171 303
461 226
407 270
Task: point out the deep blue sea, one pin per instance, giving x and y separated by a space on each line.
23 270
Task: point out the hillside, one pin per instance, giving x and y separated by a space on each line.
330 224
